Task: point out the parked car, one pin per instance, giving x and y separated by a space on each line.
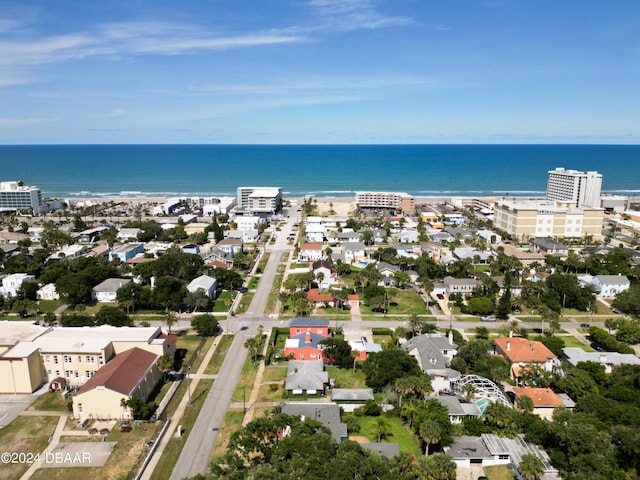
488 318
440 296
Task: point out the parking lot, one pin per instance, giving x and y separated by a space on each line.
12 405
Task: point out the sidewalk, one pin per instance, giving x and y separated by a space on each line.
176 418
248 416
52 444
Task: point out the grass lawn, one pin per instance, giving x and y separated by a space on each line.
405 302
224 301
345 378
571 341
274 374
272 300
270 393
397 432
174 447
232 422
28 435
50 402
219 355
186 346
244 302
264 260
50 306
499 472
245 382
602 309
253 283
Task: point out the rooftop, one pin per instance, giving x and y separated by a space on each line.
519 349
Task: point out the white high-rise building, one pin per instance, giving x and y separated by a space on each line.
260 200
579 188
17 196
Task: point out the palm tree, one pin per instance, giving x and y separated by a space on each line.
165 363
170 319
381 428
404 386
524 403
431 432
531 467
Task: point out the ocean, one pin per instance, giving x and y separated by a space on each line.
67 171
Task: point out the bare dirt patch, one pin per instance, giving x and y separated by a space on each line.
359 439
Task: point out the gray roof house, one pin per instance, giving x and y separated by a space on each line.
575 355
326 413
611 285
106 291
432 351
306 376
458 410
351 394
460 285
204 283
389 450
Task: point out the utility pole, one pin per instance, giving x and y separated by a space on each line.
189 383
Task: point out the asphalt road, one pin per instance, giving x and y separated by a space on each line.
195 455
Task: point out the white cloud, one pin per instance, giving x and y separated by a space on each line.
349 15
130 38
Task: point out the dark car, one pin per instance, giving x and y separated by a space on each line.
440 296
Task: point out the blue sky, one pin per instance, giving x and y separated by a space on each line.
320 71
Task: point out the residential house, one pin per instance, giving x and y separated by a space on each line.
318 298
489 236
323 269
306 377
205 283
353 252
363 348
544 400
442 237
379 235
315 232
521 352
127 234
133 373
106 291
48 292
69 252
611 285
515 290
304 335
433 353
457 410
407 236
221 257
406 250
489 450
387 271
473 254
346 235
248 222
351 395
464 286
326 413
12 283
191 248
548 246
310 252
432 249
126 251
575 355
231 246
526 257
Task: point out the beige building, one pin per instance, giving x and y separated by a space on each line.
397 201
74 353
526 220
133 373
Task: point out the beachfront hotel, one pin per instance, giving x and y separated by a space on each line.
534 219
389 200
259 200
15 196
579 188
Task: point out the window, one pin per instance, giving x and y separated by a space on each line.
79 359
47 358
313 355
67 373
79 408
55 359
90 359
57 373
67 359
76 374
100 360
88 374
49 373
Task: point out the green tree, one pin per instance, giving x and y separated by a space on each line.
531 466
383 368
115 316
430 432
524 404
206 325
336 351
165 363
170 319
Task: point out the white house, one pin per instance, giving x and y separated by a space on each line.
489 236
315 232
12 283
106 291
204 283
125 234
611 285
249 222
310 252
353 252
48 292
232 246
464 286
